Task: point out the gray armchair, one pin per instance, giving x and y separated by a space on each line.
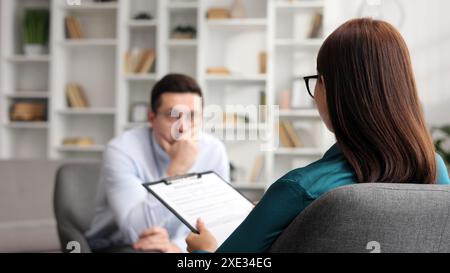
74 202
365 218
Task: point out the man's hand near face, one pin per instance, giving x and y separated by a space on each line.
183 155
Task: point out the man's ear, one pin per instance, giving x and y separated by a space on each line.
151 116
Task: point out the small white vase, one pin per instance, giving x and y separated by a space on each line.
33 49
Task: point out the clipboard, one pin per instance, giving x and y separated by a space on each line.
203 195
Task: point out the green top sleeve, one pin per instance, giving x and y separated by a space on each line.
283 201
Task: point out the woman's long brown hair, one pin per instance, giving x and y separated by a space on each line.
374 106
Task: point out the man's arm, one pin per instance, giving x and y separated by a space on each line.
133 208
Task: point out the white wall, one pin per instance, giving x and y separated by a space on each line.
426 29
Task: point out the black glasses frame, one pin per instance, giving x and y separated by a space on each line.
307 79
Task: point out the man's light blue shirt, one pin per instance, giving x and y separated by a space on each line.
124 208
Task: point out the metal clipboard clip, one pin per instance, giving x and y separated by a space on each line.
171 180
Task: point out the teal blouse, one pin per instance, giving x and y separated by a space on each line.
290 195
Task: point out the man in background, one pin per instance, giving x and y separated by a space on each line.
126 214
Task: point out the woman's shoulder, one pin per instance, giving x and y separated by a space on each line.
442 171
319 177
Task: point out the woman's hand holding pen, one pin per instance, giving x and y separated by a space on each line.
203 241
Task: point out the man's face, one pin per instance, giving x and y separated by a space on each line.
178 116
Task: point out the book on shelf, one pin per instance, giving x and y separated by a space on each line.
73 28
78 141
292 134
283 137
218 71
256 170
28 111
130 61
146 62
76 96
316 26
289 138
263 62
217 13
139 61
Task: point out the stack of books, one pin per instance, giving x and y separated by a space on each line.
78 141
288 135
76 98
316 26
139 61
73 28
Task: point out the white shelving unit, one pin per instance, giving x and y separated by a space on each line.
236 45
23 79
137 34
97 64
91 63
294 56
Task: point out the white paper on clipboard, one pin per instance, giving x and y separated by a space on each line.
206 196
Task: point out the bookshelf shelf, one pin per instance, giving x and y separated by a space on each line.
89 42
27 125
239 23
237 78
292 5
27 95
182 43
29 59
90 7
88 111
142 24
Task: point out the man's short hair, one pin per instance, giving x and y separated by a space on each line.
173 83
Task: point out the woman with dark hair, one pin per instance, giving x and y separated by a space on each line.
366 94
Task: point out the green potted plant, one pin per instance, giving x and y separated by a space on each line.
184 32
35 30
442 142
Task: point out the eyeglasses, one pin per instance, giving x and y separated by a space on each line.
311 82
174 115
